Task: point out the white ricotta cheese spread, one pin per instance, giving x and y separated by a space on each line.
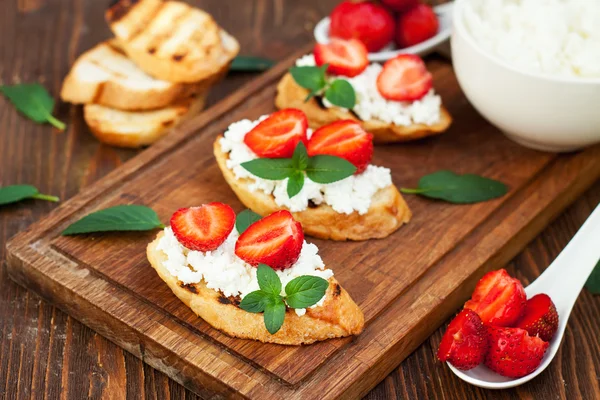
554 37
371 105
223 271
354 193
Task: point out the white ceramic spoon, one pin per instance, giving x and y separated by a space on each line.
562 281
444 13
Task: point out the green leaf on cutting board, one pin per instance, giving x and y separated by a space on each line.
251 64
593 282
14 193
33 101
128 217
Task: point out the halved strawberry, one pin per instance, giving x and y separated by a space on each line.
513 353
345 139
203 228
404 78
279 134
275 240
465 342
498 299
345 57
540 318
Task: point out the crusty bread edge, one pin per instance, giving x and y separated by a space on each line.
339 315
291 95
387 213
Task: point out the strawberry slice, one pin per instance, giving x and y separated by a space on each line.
513 353
345 139
404 78
345 57
498 299
279 134
275 240
203 228
540 317
465 342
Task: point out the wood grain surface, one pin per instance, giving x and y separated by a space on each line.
44 353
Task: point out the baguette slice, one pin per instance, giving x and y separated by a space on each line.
105 75
387 213
171 40
138 128
339 315
291 95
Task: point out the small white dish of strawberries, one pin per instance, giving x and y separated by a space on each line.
388 27
507 335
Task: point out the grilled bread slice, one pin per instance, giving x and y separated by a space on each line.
138 128
339 315
171 40
105 75
387 213
291 95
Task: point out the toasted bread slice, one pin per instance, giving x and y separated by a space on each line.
105 75
387 213
171 40
291 95
339 315
138 128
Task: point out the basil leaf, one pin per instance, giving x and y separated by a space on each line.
295 183
268 281
245 219
593 282
328 169
305 291
250 64
341 93
119 218
15 193
254 302
274 315
300 157
34 101
274 169
311 78
460 189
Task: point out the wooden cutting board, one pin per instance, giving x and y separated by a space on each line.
407 284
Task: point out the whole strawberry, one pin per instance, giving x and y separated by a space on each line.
366 21
513 353
416 25
540 318
465 342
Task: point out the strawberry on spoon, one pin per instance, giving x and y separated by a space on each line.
540 317
344 57
404 78
275 240
203 228
279 134
465 342
345 139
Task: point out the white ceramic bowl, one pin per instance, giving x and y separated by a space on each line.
539 111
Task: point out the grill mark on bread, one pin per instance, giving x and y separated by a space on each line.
312 204
337 290
147 23
119 9
160 40
233 300
190 287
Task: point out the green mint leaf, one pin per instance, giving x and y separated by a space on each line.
268 281
295 183
245 219
254 302
311 78
459 189
33 101
274 315
275 169
341 93
328 169
305 291
250 64
119 218
300 157
593 282
15 193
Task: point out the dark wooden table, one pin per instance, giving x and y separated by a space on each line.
46 354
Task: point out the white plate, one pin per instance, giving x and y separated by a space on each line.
444 13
